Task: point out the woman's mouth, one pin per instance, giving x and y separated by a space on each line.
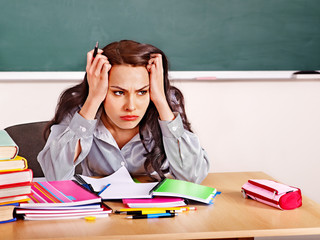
129 117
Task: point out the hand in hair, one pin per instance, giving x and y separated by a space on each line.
97 76
157 94
156 77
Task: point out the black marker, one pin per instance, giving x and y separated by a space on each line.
95 52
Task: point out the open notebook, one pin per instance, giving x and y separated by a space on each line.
121 186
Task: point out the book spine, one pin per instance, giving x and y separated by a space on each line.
157 186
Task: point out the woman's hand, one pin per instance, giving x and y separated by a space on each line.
157 91
97 76
155 69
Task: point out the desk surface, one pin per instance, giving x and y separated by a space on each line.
231 216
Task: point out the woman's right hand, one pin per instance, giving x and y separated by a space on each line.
97 76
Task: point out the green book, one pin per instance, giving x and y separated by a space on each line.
184 189
8 148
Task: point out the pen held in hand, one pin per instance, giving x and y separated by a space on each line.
95 52
159 215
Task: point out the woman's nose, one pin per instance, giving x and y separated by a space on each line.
130 104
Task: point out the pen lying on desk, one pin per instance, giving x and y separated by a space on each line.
157 209
146 212
160 215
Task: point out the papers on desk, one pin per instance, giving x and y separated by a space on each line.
121 186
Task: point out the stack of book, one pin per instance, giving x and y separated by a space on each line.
15 178
62 200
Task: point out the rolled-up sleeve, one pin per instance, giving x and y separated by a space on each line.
57 157
187 159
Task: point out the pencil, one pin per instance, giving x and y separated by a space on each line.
159 215
146 212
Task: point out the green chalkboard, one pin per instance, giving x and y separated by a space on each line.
217 35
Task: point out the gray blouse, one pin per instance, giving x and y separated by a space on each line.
101 156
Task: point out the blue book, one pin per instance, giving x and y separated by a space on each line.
6 212
11 220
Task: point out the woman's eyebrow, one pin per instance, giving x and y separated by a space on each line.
122 89
143 87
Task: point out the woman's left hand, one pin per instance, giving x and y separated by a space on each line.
155 69
157 91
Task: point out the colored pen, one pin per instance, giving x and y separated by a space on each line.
95 52
158 209
159 215
104 189
147 212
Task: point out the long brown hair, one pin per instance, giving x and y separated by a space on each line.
135 54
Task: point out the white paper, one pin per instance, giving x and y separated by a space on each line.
120 176
121 186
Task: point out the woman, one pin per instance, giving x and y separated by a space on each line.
123 113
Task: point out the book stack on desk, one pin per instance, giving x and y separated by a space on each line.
15 178
62 200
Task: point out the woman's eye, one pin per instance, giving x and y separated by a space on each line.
142 92
118 93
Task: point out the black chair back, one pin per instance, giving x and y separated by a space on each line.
30 140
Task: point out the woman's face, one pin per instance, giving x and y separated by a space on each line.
128 96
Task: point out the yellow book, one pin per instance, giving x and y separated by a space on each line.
15 199
17 164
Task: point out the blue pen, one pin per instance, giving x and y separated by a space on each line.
156 215
104 189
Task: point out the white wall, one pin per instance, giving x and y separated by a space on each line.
270 126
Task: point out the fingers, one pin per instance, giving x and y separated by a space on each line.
154 62
95 66
98 63
105 69
90 57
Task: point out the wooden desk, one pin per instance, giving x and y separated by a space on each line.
231 216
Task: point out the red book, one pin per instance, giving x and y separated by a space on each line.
9 179
15 190
16 183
